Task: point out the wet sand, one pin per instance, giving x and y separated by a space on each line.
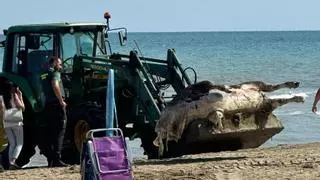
281 162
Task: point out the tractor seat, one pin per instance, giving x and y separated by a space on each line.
38 60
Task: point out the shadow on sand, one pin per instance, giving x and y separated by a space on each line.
184 160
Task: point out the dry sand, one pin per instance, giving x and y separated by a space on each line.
282 162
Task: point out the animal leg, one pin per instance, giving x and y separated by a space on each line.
270 87
282 101
271 104
261 86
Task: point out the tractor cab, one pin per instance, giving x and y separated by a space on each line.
29 48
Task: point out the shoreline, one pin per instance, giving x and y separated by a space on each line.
299 161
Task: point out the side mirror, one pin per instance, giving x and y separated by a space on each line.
5 32
122 37
33 41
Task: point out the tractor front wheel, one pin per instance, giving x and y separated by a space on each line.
147 135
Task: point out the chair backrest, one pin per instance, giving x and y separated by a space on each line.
112 159
113 153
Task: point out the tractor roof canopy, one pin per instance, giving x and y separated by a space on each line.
51 27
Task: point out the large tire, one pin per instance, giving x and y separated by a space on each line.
80 121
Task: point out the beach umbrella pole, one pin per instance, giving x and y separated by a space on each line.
110 102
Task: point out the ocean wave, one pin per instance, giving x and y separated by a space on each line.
290 113
296 113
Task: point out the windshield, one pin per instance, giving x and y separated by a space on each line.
81 43
87 44
90 44
1 57
2 38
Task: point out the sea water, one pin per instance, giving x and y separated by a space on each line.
235 57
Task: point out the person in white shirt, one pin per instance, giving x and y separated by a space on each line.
13 121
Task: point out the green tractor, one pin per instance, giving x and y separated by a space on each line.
86 54
140 84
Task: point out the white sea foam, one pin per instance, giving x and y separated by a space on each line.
296 113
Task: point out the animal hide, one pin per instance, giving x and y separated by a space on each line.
216 102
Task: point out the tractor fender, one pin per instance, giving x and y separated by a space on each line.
24 87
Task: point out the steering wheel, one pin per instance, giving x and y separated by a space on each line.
67 64
66 72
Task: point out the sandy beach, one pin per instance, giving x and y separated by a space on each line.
282 162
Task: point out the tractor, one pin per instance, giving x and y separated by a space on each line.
140 89
85 51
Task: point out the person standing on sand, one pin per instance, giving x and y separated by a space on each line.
315 102
13 121
54 113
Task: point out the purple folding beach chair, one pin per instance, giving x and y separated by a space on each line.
105 158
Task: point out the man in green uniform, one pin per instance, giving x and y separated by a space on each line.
55 112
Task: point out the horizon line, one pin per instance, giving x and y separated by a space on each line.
215 31
306 30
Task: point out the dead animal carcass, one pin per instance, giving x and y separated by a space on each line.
207 117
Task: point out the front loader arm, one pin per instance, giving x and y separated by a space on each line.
145 75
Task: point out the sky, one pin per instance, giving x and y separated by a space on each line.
170 15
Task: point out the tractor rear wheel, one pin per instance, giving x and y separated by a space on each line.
80 122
